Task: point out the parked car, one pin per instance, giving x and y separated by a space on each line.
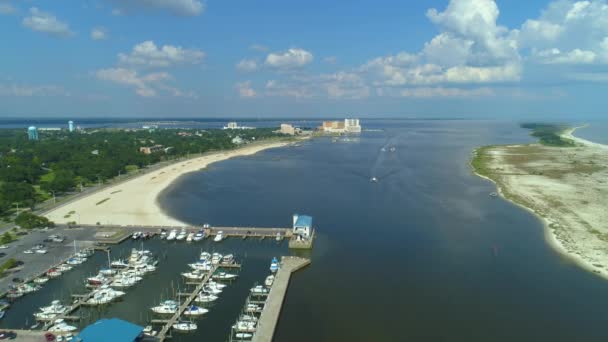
17 280
49 337
2 254
3 246
7 335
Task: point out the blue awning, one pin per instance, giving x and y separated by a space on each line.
109 330
303 221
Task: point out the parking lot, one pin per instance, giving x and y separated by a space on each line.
35 263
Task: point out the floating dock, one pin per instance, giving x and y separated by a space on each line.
162 335
274 302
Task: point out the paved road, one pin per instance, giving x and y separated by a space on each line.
37 263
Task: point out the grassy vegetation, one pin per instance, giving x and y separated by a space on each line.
480 161
549 134
10 263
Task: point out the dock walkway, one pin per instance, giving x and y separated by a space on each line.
162 335
272 310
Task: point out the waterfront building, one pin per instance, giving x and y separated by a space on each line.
151 149
71 126
287 129
302 226
32 133
113 329
234 125
346 126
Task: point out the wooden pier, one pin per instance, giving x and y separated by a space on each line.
274 302
162 335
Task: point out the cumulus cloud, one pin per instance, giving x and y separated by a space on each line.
20 90
245 90
145 85
176 7
147 54
429 92
44 22
247 65
568 32
99 33
292 58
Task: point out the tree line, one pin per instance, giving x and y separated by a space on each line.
62 161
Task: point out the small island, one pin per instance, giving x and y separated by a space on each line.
563 180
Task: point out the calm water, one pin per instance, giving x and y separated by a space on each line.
596 132
423 255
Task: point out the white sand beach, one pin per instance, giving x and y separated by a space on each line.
566 187
134 202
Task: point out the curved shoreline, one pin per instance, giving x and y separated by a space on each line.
549 223
135 202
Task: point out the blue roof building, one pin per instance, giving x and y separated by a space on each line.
302 225
110 330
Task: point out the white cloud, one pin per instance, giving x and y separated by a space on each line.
247 65
339 85
568 32
47 23
99 33
147 54
431 92
7 8
147 85
177 7
245 90
292 58
18 90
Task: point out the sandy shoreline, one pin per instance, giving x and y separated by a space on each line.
134 202
564 188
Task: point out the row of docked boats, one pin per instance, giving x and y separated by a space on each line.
183 235
246 325
79 257
120 274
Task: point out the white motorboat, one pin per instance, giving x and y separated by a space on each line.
212 290
219 236
248 318
190 237
244 336
149 332
259 290
194 310
244 326
274 265
196 275
228 259
75 261
216 258
199 235
61 326
205 256
205 298
163 234
136 235
253 308
200 266
54 308
107 271
28 288
224 276
181 235
184 326
216 285
53 273
41 280
119 264
373 180
172 235
279 237
269 280
165 309
64 268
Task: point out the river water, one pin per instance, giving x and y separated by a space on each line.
424 254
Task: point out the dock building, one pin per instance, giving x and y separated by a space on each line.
113 329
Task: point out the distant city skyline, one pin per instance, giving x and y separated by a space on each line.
305 59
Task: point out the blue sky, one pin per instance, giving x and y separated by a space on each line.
164 58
